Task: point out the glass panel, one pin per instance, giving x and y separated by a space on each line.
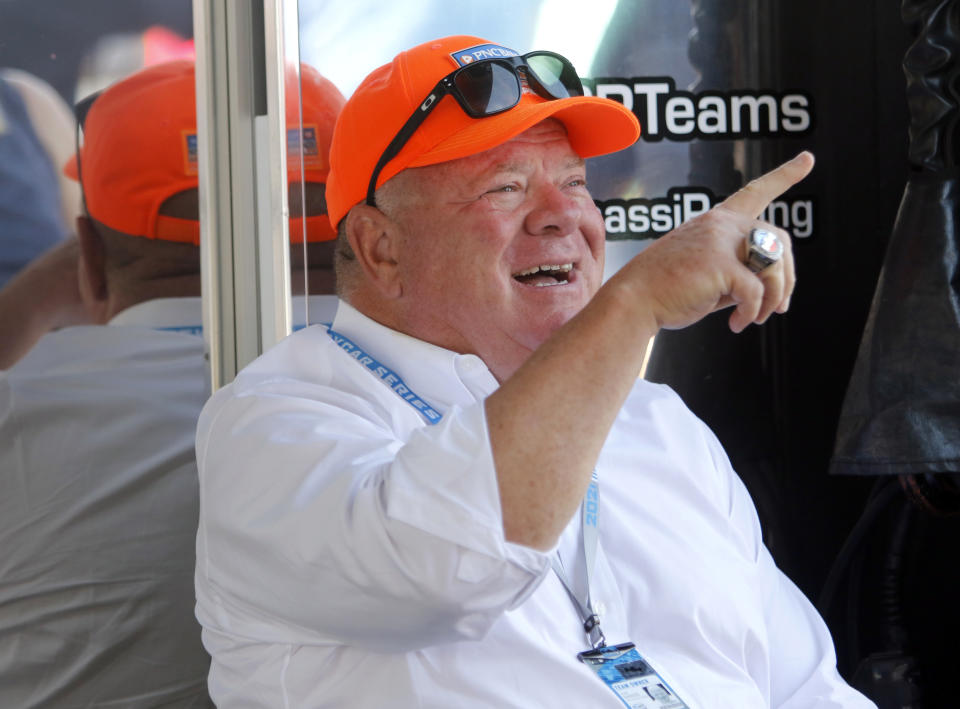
104 371
312 106
297 186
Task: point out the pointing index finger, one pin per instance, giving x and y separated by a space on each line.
753 198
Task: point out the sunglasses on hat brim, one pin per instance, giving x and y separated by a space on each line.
486 88
80 111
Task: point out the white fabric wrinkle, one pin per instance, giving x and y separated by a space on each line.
367 551
96 532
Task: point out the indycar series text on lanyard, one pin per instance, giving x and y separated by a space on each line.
620 667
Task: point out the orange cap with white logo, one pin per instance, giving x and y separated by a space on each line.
140 148
384 101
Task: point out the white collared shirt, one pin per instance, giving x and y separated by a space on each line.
352 555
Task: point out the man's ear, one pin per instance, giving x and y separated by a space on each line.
374 238
92 274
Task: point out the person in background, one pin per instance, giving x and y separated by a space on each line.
99 513
52 122
45 296
461 494
37 208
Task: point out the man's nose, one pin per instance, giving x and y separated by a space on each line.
555 213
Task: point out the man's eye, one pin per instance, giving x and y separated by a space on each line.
505 188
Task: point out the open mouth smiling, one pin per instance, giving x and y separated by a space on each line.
545 275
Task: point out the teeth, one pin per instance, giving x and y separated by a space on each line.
562 267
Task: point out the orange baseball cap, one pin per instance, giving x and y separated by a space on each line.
140 148
389 95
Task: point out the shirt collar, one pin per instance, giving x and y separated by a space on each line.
186 314
442 377
180 314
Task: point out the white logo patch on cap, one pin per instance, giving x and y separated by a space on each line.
190 160
481 52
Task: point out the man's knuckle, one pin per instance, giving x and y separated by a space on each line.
717 218
712 217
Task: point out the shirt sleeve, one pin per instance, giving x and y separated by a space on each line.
320 525
800 653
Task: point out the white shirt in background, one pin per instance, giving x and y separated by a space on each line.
98 515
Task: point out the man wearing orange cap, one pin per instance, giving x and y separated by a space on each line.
45 295
460 494
99 511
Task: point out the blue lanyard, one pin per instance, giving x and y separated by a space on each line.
387 376
589 514
589 509
384 373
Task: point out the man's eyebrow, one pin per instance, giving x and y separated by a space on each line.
507 167
569 164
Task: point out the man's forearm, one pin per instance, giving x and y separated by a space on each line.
549 420
43 296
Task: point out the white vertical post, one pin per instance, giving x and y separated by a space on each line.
241 135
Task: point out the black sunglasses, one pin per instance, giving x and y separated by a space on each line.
486 88
80 111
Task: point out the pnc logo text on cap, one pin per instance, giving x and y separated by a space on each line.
303 142
482 51
189 152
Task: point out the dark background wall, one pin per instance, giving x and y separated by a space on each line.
774 395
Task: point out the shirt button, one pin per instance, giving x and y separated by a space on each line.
469 366
600 609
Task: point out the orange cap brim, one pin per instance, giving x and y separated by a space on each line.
595 126
70 168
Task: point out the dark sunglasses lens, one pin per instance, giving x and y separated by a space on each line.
81 109
487 88
555 74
